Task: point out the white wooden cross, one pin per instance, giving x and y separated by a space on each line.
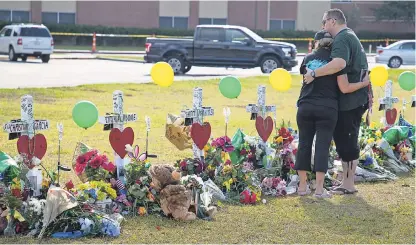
388 100
261 107
117 119
196 115
27 125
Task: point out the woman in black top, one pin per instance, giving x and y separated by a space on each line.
318 114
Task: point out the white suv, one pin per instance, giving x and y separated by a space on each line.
23 40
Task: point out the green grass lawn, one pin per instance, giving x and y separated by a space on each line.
106 48
379 213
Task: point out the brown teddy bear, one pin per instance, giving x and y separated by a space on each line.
175 200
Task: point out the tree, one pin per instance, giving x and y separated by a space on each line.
396 10
353 17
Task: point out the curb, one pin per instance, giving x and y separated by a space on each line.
121 60
63 51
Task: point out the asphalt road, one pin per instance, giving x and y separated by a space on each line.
62 72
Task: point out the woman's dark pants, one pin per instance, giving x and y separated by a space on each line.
311 120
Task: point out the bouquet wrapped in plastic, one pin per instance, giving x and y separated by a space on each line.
89 164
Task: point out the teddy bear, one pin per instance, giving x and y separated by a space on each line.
175 200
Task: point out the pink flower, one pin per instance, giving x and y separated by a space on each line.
292 165
228 162
110 167
243 152
79 168
96 162
69 185
276 182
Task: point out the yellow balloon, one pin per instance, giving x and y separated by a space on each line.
379 76
280 79
162 74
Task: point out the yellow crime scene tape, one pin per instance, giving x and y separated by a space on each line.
164 36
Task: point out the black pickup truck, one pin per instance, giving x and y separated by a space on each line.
221 46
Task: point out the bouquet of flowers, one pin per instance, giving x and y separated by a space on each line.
274 186
33 212
94 191
95 166
286 150
141 196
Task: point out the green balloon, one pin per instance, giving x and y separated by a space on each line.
396 134
85 114
230 87
407 80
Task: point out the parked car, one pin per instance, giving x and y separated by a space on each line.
23 40
221 46
397 54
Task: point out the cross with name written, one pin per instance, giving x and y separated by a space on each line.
387 102
261 107
196 115
117 119
27 125
30 145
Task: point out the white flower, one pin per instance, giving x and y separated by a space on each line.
18 158
36 161
128 148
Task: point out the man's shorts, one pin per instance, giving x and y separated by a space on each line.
347 131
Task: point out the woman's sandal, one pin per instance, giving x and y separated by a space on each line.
343 191
325 194
304 193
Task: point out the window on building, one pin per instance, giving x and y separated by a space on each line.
211 34
66 18
5 15
58 18
276 25
49 18
212 21
173 22
180 22
20 16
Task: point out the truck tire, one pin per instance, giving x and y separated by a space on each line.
45 58
12 54
187 68
269 63
177 63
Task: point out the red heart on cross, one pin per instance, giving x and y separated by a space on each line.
200 134
391 115
34 147
119 140
264 127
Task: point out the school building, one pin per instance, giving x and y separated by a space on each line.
261 15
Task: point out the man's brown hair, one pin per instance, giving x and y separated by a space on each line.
337 15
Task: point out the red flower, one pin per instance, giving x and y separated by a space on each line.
292 165
276 181
183 165
295 151
284 132
79 168
245 197
138 182
96 162
69 185
228 162
82 160
16 193
243 152
253 198
110 167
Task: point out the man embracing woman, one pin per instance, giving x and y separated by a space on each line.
332 101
